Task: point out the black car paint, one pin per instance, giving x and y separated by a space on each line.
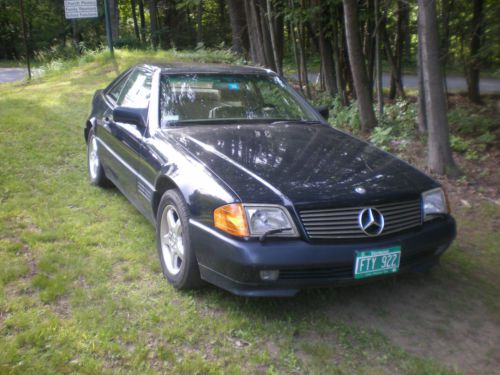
294 165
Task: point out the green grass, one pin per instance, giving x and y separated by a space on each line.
81 288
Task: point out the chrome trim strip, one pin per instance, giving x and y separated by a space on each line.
126 165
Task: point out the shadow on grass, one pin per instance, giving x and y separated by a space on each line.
440 315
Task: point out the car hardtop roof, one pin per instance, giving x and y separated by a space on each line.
193 68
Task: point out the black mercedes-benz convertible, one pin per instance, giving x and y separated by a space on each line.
252 190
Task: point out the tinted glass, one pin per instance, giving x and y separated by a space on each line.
214 97
137 90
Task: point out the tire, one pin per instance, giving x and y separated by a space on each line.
177 259
95 169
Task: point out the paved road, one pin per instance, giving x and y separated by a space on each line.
12 74
455 83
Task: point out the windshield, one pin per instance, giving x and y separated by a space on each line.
209 98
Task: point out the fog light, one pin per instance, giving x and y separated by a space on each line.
269 275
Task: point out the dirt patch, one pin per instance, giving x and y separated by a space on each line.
430 316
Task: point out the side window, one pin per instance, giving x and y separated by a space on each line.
116 90
137 90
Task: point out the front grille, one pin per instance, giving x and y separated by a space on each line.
343 222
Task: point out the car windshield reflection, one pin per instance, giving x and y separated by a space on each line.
191 99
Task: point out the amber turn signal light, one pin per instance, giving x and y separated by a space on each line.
231 218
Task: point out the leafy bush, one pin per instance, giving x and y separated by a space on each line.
464 121
473 131
342 117
459 144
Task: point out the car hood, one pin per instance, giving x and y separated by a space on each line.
300 164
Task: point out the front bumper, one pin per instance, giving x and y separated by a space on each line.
234 264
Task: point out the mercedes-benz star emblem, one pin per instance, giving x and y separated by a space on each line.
371 221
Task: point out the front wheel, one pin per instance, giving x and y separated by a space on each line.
177 259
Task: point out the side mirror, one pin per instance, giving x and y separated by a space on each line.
134 116
323 111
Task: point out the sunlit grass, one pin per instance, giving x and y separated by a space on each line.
80 284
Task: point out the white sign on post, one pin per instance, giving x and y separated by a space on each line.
80 9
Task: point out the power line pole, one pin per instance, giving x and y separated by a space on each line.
25 35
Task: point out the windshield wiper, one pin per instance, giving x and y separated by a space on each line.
295 122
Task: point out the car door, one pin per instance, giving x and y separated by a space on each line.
124 141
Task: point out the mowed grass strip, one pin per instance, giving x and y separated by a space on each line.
80 284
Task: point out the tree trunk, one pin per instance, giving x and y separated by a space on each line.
153 21
402 30
475 59
280 28
293 37
421 113
368 44
302 55
254 33
134 18
445 41
272 34
326 53
378 63
199 23
440 157
266 35
395 74
143 20
115 18
237 18
357 62
222 17
334 15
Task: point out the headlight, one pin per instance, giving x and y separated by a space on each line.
434 203
254 220
263 219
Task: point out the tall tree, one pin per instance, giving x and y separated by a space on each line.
440 156
391 59
325 49
378 62
475 58
142 17
358 69
133 5
199 23
403 18
153 23
258 34
237 18
271 18
421 113
115 18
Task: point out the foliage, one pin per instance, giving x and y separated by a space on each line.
342 117
397 126
472 132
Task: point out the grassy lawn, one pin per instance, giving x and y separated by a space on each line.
81 288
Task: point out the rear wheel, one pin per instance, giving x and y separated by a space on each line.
96 172
177 259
